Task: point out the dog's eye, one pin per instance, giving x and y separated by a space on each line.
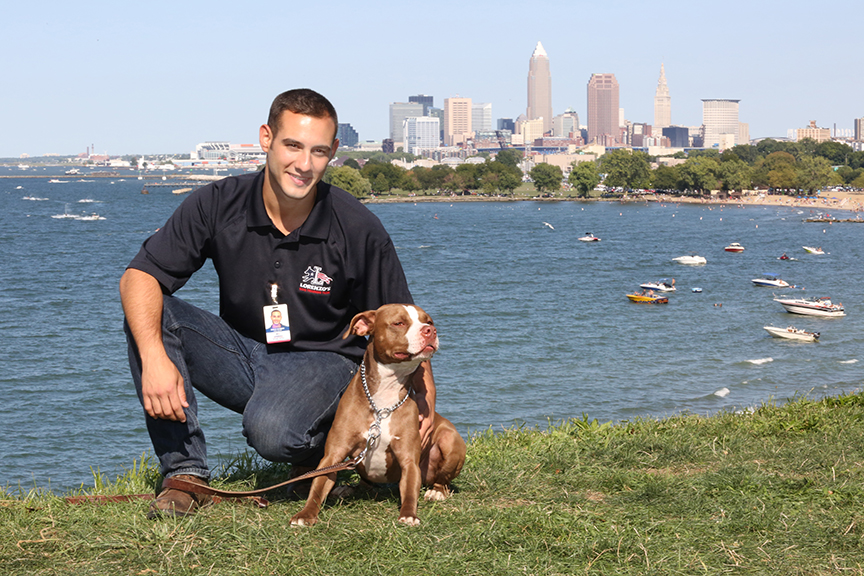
398 323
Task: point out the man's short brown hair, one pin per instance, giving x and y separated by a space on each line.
301 101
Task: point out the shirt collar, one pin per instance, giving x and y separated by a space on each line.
317 224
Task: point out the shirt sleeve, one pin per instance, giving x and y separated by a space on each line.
180 247
385 279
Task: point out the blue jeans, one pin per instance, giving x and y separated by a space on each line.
288 399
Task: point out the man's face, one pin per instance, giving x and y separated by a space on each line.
276 317
297 153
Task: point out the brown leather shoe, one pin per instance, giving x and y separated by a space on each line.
300 490
173 502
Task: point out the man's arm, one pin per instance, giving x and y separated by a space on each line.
424 395
163 393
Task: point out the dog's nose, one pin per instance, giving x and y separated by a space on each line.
428 332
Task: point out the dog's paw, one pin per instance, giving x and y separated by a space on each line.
299 520
435 495
410 520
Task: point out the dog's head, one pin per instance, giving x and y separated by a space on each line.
399 332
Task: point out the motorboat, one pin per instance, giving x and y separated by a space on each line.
734 247
792 333
662 285
696 290
770 280
691 260
646 299
813 250
589 237
812 306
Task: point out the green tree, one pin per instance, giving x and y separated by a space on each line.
665 178
500 176
380 184
348 179
835 152
509 157
734 175
699 173
814 173
847 174
546 177
626 169
409 182
469 175
392 173
746 152
584 176
352 163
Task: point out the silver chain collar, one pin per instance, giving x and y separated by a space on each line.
380 414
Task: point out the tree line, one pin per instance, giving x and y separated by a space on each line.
786 167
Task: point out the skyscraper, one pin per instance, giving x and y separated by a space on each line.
347 136
720 123
662 104
481 116
421 133
427 102
457 120
540 88
398 112
603 101
859 129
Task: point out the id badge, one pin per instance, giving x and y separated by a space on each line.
276 323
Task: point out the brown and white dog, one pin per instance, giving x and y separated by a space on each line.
400 338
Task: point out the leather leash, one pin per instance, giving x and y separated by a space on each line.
218 494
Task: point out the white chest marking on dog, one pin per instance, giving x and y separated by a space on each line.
376 458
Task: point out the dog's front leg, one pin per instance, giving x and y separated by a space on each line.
409 491
321 487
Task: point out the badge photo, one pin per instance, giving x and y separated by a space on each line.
276 323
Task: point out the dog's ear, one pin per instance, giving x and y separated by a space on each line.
362 324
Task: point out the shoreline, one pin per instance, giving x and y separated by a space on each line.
845 201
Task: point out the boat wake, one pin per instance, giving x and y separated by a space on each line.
34 198
89 201
81 217
853 361
759 361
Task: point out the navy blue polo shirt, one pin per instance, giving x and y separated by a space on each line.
340 262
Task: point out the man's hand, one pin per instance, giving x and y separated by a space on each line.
162 390
424 395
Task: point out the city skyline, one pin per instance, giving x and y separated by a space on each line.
133 81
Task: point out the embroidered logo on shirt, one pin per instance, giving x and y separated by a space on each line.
314 280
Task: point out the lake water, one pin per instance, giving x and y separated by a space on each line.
534 325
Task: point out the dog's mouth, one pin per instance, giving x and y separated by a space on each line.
426 352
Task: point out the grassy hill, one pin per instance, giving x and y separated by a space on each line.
778 490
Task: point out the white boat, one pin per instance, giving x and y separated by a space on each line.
792 333
813 250
770 280
72 171
812 306
589 237
691 260
734 247
662 285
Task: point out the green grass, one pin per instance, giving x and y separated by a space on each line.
775 491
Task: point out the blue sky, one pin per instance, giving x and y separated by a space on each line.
157 76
